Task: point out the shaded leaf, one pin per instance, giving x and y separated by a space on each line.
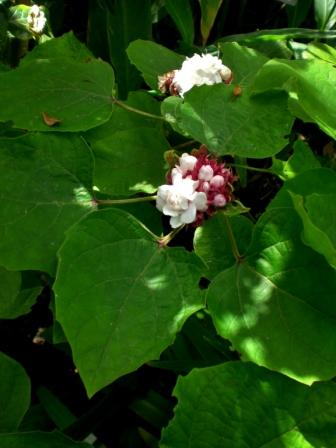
325 13
181 12
14 394
77 93
153 60
39 439
223 407
212 244
130 161
44 189
139 297
209 10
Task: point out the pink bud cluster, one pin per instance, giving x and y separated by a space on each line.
211 180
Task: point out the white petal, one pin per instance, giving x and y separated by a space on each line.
201 202
175 221
169 211
189 215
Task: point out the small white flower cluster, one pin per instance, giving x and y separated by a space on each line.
197 187
180 200
36 19
195 71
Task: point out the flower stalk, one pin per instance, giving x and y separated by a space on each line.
125 201
134 110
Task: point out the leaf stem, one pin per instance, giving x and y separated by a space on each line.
165 240
125 201
233 241
136 111
252 168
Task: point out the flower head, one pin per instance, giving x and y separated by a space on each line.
195 71
36 19
196 187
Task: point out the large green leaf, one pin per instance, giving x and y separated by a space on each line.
78 94
310 85
246 126
181 12
66 46
153 60
39 440
126 21
277 305
44 188
14 394
10 282
241 405
325 13
313 193
243 61
130 161
137 299
212 243
122 120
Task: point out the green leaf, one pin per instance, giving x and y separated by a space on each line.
18 293
66 46
10 282
325 13
246 126
153 60
278 34
322 51
310 85
212 244
277 306
44 188
126 21
130 161
39 440
241 405
318 214
209 11
122 120
139 297
14 394
77 94
181 12
297 14
301 160
243 61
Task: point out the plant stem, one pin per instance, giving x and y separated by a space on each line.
165 240
136 111
125 201
188 143
252 168
232 239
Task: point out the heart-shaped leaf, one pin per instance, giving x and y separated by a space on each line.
138 298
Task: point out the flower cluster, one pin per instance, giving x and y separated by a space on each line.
196 187
36 19
195 71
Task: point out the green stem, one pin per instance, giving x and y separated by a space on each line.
136 111
183 145
252 168
232 239
165 240
125 201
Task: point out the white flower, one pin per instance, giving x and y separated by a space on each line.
199 70
180 200
36 19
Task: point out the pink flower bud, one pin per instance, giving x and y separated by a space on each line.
219 200
217 181
205 173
